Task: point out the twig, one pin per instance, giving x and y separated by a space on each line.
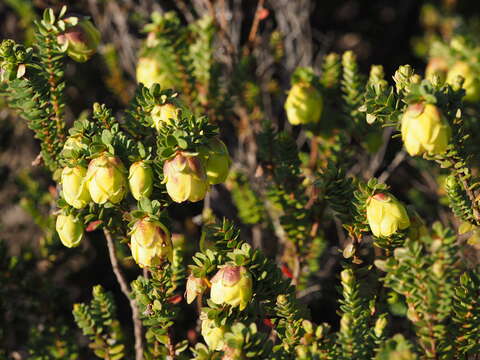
254 29
397 160
472 198
182 6
137 324
380 155
170 345
309 290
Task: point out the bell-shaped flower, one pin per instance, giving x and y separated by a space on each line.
150 243
185 178
386 215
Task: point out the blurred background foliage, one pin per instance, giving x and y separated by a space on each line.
40 279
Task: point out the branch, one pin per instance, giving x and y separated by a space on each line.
137 324
170 345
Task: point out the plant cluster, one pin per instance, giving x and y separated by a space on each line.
409 287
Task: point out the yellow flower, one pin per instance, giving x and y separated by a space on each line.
304 104
386 215
217 161
150 243
149 72
195 286
74 186
80 41
162 114
106 179
232 285
425 130
140 179
212 334
69 229
472 81
185 178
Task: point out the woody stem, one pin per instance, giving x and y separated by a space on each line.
137 324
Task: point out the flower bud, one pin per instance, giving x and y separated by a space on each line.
150 243
471 83
185 178
347 277
80 41
302 352
69 229
106 179
232 285
380 326
195 286
216 160
436 65
140 179
304 104
424 129
212 333
307 326
74 186
164 114
73 143
386 215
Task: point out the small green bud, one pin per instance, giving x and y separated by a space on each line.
150 243
232 285
216 160
425 130
380 326
212 333
164 114
73 143
80 41
304 104
437 66
471 83
74 186
402 77
106 179
347 277
140 179
322 330
185 178
386 215
69 229
195 286
412 315
307 326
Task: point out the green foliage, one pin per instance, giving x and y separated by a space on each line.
428 284
466 316
246 342
353 84
98 321
354 338
304 192
250 208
